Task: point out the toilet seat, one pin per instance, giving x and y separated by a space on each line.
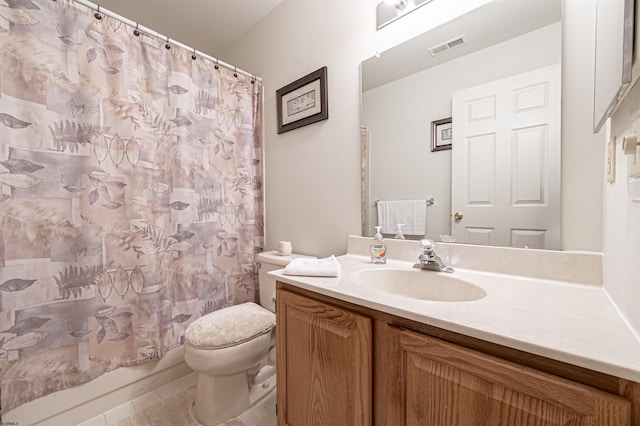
230 326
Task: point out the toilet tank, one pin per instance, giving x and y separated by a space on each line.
271 261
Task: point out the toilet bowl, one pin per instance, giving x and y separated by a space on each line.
232 350
222 347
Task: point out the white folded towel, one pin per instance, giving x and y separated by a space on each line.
411 213
328 267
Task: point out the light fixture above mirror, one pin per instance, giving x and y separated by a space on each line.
390 10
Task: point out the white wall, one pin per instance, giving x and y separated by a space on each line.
312 174
619 227
398 116
622 221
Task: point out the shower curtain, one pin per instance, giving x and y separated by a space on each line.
130 195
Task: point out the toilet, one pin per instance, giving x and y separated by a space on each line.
232 350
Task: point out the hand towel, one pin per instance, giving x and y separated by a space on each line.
327 267
411 213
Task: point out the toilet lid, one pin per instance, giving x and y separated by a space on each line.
230 326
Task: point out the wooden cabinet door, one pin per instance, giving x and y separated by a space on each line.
324 363
445 384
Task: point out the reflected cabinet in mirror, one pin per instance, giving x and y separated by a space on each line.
496 73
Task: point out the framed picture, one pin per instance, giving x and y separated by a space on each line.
441 134
303 102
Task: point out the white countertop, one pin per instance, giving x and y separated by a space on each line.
569 322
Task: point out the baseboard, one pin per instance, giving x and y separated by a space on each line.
80 403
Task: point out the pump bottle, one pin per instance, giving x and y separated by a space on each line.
377 248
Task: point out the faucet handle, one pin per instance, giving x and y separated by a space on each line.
427 245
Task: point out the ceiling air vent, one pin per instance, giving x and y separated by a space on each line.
447 45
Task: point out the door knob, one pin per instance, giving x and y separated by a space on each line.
458 216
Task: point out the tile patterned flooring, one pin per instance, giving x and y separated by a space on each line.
125 410
262 414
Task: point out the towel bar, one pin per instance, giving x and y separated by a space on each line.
430 202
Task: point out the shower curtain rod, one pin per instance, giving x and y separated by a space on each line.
156 34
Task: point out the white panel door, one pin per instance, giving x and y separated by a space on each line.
506 161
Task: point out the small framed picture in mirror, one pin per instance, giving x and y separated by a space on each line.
441 134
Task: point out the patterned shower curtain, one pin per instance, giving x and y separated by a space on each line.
130 195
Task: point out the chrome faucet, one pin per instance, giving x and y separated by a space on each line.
429 260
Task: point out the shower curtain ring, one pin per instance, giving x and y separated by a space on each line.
97 15
235 71
253 79
193 56
136 32
168 46
217 66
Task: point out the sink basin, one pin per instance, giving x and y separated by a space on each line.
417 284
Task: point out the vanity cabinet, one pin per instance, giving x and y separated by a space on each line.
444 384
344 364
324 363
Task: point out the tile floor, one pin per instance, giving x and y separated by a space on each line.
128 408
262 414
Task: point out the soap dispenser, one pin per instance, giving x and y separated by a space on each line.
377 248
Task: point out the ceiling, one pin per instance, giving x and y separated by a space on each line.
485 26
205 25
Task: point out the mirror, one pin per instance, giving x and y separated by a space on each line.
407 88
